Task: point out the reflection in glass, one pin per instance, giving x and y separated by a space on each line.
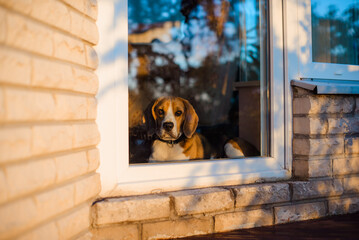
335 31
212 53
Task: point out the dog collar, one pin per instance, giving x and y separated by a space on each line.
172 142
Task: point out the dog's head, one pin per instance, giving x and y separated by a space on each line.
170 117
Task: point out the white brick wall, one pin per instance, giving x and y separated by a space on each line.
48 134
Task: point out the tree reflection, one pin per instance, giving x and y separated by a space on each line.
335 27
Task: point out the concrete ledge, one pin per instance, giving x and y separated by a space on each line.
130 209
203 211
202 201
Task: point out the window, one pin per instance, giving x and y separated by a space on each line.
212 53
335 31
215 54
323 40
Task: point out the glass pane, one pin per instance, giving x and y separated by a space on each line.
211 55
335 31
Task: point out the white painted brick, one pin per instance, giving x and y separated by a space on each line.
15 143
63 76
87 188
88 7
86 135
57 14
52 138
26 177
70 107
2 104
51 74
91 108
91 57
299 212
51 12
25 105
85 81
116 210
202 201
69 49
323 146
74 223
240 220
25 6
3 187
2 24
47 231
28 35
55 201
16 216
32 36
305 125
83 27
93 158
71 165
15 67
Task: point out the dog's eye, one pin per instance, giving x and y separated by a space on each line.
178 113
160 112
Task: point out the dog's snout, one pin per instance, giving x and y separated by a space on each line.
168 126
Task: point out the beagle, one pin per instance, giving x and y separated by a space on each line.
173 123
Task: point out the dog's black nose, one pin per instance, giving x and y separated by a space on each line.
168 126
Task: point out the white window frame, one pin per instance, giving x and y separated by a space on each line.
299 47
120 178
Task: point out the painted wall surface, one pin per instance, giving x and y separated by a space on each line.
48 134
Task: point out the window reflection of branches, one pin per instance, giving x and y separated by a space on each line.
195 49
335 27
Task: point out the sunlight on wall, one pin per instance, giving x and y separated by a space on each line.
112 95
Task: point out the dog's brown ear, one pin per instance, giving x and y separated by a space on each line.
149 117
191 120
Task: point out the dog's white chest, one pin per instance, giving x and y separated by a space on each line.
162 151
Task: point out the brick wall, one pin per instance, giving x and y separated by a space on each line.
326 182
48 134
326 135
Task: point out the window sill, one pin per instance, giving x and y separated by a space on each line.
328 86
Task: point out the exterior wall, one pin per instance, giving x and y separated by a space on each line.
326 182
48 134
326 135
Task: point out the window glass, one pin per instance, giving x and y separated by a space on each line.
335 31
210 56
